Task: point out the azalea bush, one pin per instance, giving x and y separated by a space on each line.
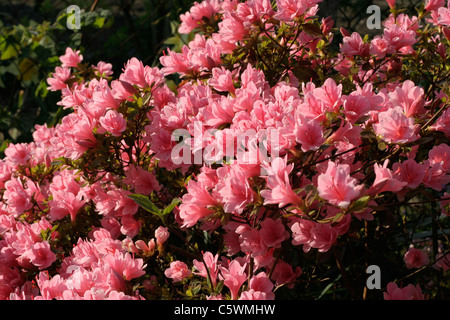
257 163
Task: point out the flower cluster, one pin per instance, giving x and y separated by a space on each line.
272 163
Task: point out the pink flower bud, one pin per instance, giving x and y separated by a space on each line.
161 235
391 3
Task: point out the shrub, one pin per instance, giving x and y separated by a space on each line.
277 168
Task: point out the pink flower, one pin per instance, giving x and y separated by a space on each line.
273 233
134 73
222 80
309 133
436 176
50 288
285 274
409 171
409 292
196 15
409 97
337 186
385 180
312 234
103 69
444 16
144 182
330 94
71 58
442 123
40 255
161 235
378 47
355 106
195 204
399 39
261 282
440 155
130 226
354 46
391 3
235 191
208 266
17 198
18 154
123 264
58 79
256 295
288 10
146 247
431 5
114 123
234 277
122 90
442 261
415 258
395 127
178 271
64 203
250 241
280 190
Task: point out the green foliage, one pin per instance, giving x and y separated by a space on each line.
29 52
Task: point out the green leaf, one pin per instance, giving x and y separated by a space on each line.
145 203
360 204
171 206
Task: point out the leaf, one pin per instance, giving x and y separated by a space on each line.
360 204
171 206
145 203
312 29
27 69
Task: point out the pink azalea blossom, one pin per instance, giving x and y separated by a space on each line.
442 123
432 5
103 69
194 17
385 180
337 186
144 182
409 97
233 277
354 46
284 274
409 171
71 58
288 10
273 233
58 79
410 292
443 16
309 134
250 241
40 255
395 127
391 3
114 123
415 258
161 235
235 191
208 267
178 271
